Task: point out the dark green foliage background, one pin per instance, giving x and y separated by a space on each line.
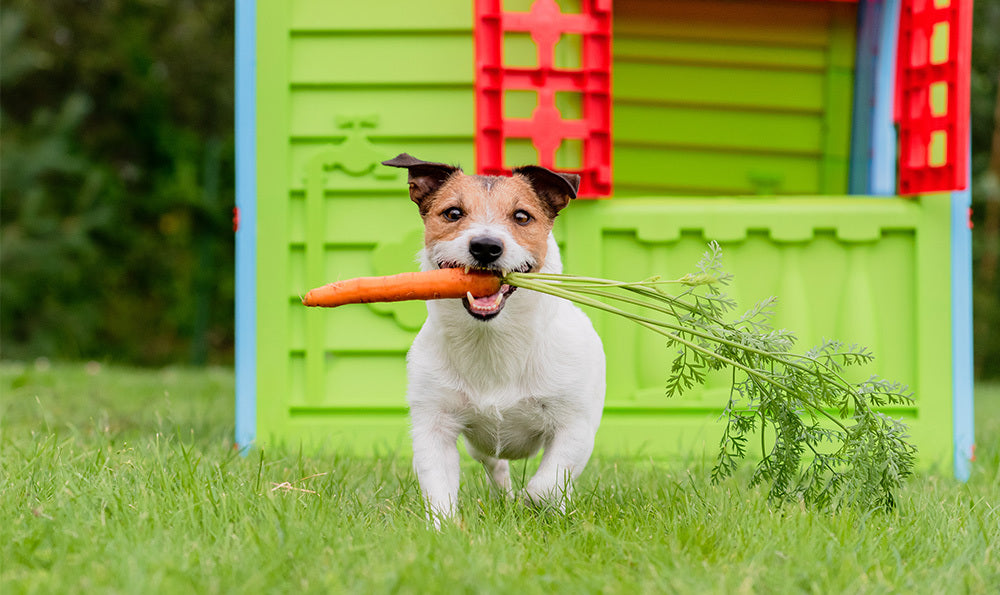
116 180
985 184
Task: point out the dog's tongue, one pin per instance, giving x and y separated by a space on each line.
487 303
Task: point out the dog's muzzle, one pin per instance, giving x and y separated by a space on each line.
486 307
485 249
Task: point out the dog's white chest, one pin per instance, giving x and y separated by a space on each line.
514 432
511 387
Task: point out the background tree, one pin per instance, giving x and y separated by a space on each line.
117 176
986 186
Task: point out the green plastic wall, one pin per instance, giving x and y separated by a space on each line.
340 89
862 270
732 97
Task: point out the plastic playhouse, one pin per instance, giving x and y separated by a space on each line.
823 144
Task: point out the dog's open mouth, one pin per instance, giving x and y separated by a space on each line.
486 307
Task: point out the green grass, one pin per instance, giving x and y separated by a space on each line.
121 480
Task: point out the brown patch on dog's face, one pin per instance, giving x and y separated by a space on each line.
490 202
501 224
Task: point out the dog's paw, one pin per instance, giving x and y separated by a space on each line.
442 523
551 499
504 489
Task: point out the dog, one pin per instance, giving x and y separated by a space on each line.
512 373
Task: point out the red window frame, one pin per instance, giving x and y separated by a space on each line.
546 128
932 94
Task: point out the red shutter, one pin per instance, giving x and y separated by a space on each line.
932 94
546 128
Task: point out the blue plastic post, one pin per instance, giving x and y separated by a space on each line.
246 233
963 414
882 165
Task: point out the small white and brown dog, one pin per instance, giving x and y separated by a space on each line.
513 373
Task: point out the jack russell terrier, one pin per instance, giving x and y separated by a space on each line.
515 372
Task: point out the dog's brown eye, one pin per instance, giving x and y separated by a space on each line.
522 218
453 214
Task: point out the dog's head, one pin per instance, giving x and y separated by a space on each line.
499 223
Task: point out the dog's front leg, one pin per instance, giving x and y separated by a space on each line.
435 461
499 469
562 462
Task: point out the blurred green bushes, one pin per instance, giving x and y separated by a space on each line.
985 108
116 172
117 180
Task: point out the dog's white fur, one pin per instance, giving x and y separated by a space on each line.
531 378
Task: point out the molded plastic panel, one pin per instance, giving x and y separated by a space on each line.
338 91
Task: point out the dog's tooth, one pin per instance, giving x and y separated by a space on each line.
467 269
468 294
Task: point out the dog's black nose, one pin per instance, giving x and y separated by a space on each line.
485 249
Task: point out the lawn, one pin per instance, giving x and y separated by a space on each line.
123 480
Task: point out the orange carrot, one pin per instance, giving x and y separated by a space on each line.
426 285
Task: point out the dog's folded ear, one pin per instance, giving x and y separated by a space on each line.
425 177
554 188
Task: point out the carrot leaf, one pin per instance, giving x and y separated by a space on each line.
818 437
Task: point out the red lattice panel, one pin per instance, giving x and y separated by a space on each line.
546 128
932 94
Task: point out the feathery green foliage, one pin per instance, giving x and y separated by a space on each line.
829 446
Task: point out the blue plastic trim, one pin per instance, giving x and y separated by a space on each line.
246 234
869 20
882 168
963 414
